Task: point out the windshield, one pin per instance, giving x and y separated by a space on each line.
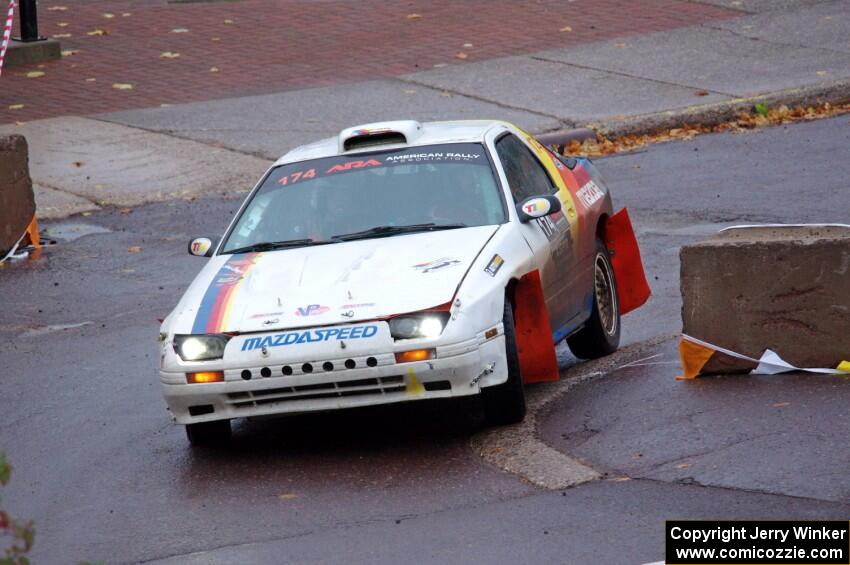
410 189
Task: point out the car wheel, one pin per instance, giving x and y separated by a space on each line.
505 403
208 433
601 333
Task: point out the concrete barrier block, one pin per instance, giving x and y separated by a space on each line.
781 288
17 203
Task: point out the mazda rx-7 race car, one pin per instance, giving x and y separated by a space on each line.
400 261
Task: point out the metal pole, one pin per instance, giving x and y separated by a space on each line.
29 21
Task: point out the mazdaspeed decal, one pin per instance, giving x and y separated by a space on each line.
309 336
215 305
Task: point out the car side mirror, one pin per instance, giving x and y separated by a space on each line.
537 207
203 246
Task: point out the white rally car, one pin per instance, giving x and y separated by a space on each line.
400 261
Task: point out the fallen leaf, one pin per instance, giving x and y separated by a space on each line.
62 24
128 271
61 35
620 479
467 45
35 74
69 52
287 496
440 65
180 30
228 22
168 55
91 80
108 16
620 45
78 164
566 28
821 73
16 106
701 93
86 213
410 91
746 27
781 404
216 39
446 94
683 465
122 86
125 211
57 8
126 15
461 55
97 32
213 69
414 16
165 105
134 249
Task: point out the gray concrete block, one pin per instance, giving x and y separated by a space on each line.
17 203
26 53
785 289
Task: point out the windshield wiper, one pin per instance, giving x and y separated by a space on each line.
272 245
379 231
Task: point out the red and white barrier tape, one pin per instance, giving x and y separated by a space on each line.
7 31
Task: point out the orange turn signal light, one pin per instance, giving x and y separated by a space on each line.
205 377
415 355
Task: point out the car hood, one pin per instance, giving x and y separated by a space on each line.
329 284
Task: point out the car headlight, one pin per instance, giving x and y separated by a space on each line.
430 324
200 347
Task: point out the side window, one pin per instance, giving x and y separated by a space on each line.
526 176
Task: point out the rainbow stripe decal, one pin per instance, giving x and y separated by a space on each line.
215 306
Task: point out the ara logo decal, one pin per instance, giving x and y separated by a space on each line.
353 165
311 310
309 336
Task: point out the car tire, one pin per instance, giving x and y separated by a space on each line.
505 403
600 335
208 433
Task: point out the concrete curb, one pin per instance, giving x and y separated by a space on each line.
834 92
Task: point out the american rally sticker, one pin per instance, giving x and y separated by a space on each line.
590 193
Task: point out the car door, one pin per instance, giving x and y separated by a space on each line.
550 237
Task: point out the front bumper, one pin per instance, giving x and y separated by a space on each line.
458 370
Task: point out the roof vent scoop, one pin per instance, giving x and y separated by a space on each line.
379 133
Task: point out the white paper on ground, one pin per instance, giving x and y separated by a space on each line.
770 362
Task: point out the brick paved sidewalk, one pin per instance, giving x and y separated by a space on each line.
231 49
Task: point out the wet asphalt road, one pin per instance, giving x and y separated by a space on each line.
106 476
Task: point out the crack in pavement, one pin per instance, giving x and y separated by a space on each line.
563 123
771 42
517 449
628 75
